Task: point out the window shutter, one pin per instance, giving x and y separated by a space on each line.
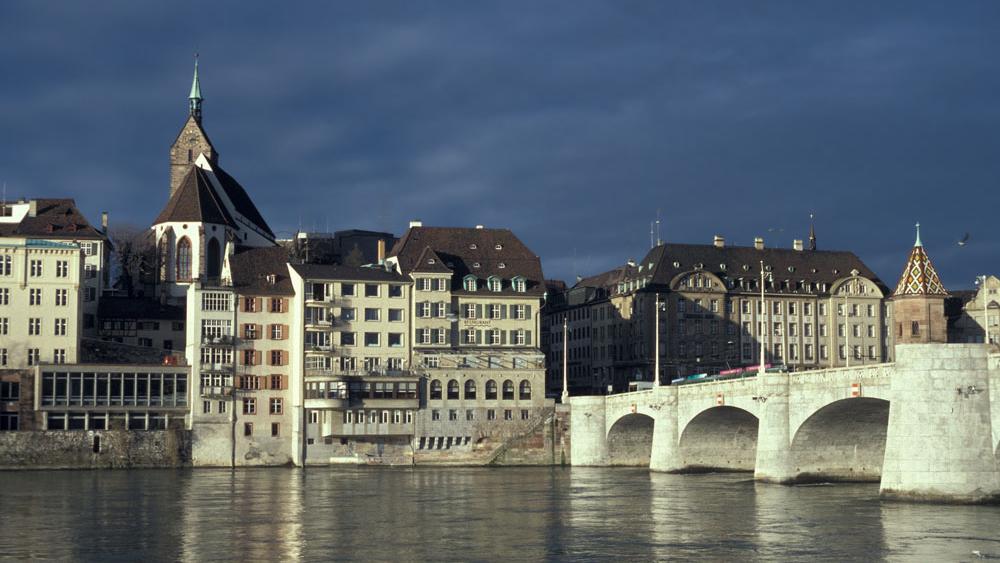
243 330
256 357
479 337
284 331
262 382
258 304
284 382
527 311
284 304
479 310
243 303
503 311
527 338
260 332
503 337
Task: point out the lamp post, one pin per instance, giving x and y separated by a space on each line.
656 340
981 282
847 317
763 315
565 391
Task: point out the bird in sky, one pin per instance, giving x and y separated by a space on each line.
964 240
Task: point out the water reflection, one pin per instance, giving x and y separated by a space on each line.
458 514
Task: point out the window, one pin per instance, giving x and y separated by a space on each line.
435 390
275 406
250 332
33 356
60 328
441 336
274 429
4 325
222 407
821 308
470 310
494 311
277 382
34 326
491 390
491 414
807 309
470 389
435 415
915 328
470 336
183 265
277 358
495 337
395 339
36 268
277 304
871 331
250 406
248 429
206 407
714 305
494 283
371 339
431 361
519 284
452 390
823 353
347 339
519 312
277 332
424 309
395 290
809 351
508 414
372 314
35 297
425 335
6 263
442 284
470 415
215 301
10 391
525 390
347 289
520 337
508 390
395 315
371 290
469 283
423 284
524 414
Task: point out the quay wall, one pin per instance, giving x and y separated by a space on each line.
105 449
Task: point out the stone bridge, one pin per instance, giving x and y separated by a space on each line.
926 427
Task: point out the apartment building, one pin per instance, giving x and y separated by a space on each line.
351 331
239 345
974 313
475 308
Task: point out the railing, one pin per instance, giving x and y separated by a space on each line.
336 372
227 341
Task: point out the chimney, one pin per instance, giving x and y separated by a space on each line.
797 244
758 243
381 251
631 262
104 222
32 208
719 241
416 223
479 227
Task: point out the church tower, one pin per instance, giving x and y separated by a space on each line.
918 302
192 140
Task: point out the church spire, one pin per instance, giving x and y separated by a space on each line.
812 233
194 98
918 243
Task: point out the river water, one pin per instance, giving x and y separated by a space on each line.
380 514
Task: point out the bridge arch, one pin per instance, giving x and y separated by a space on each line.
842 441
630 440
720 438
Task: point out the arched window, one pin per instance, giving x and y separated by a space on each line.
452 390
469 283
491 390
214 259
525 393
163 255
183 271
470 389
435 390
508 390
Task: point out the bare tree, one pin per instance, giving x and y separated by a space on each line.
134 252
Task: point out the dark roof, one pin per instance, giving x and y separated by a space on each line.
54 219
342 272
607 279
195 200
241 201
815 266
463 249
137 308
250 268
430 262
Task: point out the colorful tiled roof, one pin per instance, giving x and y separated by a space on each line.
919 276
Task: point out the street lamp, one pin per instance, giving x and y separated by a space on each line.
847 315
763 315
981 282
565 391
656 339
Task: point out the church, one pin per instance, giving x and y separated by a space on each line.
208 217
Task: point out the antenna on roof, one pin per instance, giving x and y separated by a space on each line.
651 243
658 242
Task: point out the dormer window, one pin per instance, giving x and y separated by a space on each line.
519 284
473 246
501 265
431 261
494 283
475 264
498 246
469 283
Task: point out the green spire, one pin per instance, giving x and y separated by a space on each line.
195 98
918 243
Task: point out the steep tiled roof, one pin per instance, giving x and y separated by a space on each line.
241 200
350 273
195 201
251 267
919 276
54 219
734 262
480 252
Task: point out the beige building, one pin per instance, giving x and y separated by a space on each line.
351 333
476 297
971 313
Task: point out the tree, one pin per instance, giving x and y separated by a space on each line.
134 255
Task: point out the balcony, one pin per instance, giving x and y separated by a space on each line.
217 392
338 372
371 429
227 341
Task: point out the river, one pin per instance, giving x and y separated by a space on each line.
380 514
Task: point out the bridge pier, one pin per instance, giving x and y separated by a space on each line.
588 431
939 445
665 455
774 451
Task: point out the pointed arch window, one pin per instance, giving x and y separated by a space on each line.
183 271
163 254
214 259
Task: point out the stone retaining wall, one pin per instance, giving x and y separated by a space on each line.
107 449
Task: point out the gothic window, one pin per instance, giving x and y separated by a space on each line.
164 257
183 271
214 259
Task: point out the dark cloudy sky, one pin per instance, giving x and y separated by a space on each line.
569 122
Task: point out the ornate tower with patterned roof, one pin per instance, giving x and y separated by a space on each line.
918 302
